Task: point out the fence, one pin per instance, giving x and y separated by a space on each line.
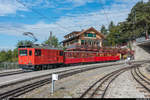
7 65
141 39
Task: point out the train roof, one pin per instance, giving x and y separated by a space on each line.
39 46
88 51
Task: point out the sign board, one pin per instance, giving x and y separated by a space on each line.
128 58
55 77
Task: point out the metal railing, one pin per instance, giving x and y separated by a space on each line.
141 39
8 65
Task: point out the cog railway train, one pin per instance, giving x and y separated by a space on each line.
39 57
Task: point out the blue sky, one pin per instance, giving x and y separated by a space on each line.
59 16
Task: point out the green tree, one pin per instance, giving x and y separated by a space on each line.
137 24
3 56
24 42
140 18
15 55
104 30
111 25
53 42
9 55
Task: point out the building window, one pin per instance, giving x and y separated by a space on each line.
89 35
82 42
86 34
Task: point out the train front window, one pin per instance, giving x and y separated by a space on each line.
37 52
23 52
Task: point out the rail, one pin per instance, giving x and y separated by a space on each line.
27 85
99 86
141 78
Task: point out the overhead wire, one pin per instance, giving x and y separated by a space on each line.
43 16
33 10
105 13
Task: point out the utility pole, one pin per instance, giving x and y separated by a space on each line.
50 38
146 33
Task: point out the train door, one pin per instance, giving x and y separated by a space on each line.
37 54
61 54
30 56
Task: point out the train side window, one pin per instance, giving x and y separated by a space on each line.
37 52
61 53
23 52
30 53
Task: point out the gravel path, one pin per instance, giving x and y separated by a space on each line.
73 86
124 87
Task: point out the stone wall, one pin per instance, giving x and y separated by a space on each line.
141 53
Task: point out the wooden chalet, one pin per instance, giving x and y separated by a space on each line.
89 37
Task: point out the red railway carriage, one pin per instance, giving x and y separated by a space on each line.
39 57
72 57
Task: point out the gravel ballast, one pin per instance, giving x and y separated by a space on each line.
73 86
124 87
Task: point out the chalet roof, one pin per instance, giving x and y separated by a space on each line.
72 38
76 32
81 32
92 29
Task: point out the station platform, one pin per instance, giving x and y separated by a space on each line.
9 70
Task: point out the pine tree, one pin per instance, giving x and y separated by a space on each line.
104 30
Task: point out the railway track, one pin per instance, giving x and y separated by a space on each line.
140 78
27 85
99 88
18 88
13 73
22 71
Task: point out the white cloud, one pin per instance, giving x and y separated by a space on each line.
10 7
41 29
77 3
40 3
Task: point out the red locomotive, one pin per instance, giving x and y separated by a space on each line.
39 57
